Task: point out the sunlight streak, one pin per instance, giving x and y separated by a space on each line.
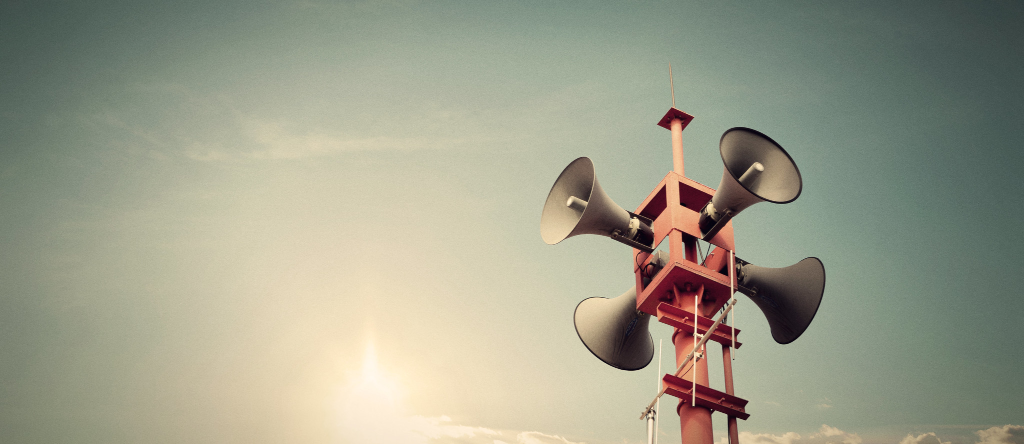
371 409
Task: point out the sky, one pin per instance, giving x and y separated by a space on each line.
318 222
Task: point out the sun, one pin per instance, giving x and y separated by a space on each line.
371 408
371 385
373 382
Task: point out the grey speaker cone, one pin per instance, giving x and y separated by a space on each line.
615 332
789 297
741 147
591 212
767 173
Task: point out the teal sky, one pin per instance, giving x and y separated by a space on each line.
319 222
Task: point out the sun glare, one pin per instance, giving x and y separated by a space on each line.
371 370
373 385
371 407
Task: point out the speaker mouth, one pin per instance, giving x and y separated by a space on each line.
780 182
821 295
783 295
598 355
557 220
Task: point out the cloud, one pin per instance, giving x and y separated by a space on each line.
926 438
765 438
540 438
434 429
173 120
277 140
442 430
371 411
439 430
826 435
1007 434
829 431
830 435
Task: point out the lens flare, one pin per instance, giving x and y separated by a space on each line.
371 409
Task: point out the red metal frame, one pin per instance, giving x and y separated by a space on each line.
674 206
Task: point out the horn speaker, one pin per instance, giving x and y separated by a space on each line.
757 169
615 331
577 205
789 297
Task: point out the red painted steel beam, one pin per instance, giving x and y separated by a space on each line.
707 397
677 275
683 320
673 207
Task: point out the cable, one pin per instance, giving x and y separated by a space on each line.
643 269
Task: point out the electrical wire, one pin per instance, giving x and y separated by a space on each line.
706 255
642 269
645 270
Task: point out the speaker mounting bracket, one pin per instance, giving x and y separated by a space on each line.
616 235
719 224
642 218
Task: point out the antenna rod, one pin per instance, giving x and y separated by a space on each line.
696 332
652 415
672 85
714 326
732 291
657 410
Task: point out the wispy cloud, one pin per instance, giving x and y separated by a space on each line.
541 438
371 411
277 140
925 438
1007 434
175 121
826 435
440 430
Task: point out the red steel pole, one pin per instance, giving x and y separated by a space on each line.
694 422
734 434
677 146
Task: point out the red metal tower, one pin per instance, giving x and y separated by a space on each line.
680 288
688 292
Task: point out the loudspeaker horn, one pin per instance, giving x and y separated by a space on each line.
789 297
757 169
577 205
615 331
